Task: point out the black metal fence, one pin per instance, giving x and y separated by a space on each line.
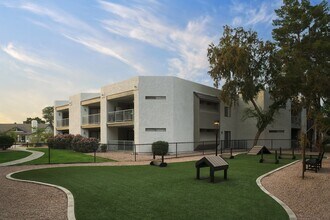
128 151
183 149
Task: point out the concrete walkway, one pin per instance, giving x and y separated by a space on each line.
33 156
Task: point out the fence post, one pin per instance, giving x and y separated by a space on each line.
293 156
276 160
176 149
134 152
94 156
262 157
48 154
203 147
231 153
220 148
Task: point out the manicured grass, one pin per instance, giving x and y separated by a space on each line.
64 156
149 192
6 156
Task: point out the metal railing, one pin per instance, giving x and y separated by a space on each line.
117 145
121 116
184 149
93 119
62 122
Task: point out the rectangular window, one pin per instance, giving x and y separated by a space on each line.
276 131
227 111
155 129
156 97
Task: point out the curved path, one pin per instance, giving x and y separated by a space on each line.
33 156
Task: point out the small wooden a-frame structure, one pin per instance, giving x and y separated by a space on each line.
256 150
215 163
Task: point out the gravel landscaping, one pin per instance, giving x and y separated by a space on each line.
309 198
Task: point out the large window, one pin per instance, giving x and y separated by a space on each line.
155 129
156 97
227 111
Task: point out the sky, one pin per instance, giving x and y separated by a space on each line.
52 49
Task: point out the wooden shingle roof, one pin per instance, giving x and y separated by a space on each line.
211 161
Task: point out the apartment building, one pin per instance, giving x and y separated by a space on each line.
145 109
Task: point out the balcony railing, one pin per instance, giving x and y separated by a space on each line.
125 145
62 122
121 116
93 119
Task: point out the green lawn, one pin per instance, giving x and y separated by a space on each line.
64 156
6 156
149 192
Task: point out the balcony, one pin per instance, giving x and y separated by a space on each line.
122 117
91 121
62 124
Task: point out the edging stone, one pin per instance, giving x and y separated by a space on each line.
70 212
292 215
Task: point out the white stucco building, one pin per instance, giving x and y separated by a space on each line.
145 109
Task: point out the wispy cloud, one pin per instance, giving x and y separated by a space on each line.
78 31
188 44
97 46
247 14
56 15
28 58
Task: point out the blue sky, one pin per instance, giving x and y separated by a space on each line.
50 50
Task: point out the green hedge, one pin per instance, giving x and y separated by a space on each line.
74 142
160 148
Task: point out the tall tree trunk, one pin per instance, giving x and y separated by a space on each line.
256 138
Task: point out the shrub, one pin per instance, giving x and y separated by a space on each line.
6 141
75 141
63 141
160 148
104 148
87 145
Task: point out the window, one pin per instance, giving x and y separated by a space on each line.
156 129
227 111
276 131
155 97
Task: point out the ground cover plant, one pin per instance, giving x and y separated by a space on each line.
147 192
64 156
7 156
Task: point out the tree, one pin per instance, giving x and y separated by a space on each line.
48 115
29 120
249 66
301 33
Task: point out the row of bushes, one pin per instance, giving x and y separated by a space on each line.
73 142
6 141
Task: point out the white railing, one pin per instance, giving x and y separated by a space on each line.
125 145
121 116
93 119
62 122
